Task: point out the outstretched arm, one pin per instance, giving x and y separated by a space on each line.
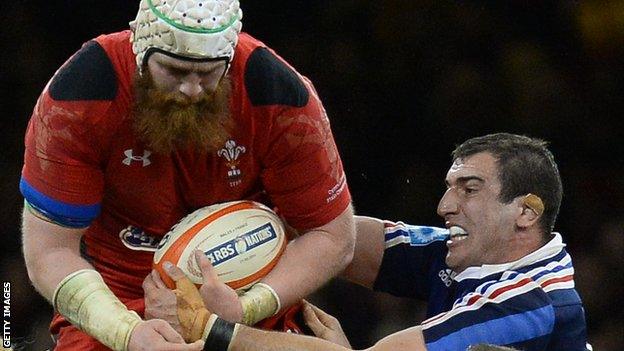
313 258
248 339
220 334
308 262
368 253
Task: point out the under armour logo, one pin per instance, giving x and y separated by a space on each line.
130 157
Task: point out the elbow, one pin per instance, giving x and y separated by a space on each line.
338 243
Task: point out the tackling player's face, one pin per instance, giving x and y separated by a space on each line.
182 103
479 223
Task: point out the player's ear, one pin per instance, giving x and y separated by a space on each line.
531 208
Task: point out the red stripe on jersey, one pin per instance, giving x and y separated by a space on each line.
500 290
520 283
566 278
473 299
388 224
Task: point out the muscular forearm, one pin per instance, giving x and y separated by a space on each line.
219 334
408 339
250 339
76 290
312 259
368 253
47 271
308 262
50 256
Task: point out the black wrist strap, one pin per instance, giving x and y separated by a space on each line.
220 335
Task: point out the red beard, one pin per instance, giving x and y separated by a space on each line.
164 122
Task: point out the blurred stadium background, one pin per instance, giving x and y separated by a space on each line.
403 83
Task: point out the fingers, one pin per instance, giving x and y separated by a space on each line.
312 309
208 272
148 283
324 325
167 331
323 316
196 346
153 282
312 320
184 286
173 271
158 335
157 281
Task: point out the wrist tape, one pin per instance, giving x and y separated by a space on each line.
86 302
218 334
258 303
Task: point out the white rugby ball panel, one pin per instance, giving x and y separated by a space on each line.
242 239
184 225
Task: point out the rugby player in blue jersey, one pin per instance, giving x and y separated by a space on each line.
497 274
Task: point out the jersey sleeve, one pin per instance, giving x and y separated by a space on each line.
61 177
514 312
303 172
409 258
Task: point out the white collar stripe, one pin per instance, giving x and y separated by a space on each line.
565 262
554 275
559 286
551 249
397 240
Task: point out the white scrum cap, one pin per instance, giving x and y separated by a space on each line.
196 29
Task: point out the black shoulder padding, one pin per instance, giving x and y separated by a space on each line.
89 75
270 82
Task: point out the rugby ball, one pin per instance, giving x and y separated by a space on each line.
242 239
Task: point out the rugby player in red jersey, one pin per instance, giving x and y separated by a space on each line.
141 127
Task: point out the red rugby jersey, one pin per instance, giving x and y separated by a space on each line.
84 166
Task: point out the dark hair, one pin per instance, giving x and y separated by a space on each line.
525 166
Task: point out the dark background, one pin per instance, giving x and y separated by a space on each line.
403 83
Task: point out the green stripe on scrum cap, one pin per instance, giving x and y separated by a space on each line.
187 28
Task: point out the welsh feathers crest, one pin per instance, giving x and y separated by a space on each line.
231 152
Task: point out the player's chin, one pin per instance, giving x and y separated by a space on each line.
454 260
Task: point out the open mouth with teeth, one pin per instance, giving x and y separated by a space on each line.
458 233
